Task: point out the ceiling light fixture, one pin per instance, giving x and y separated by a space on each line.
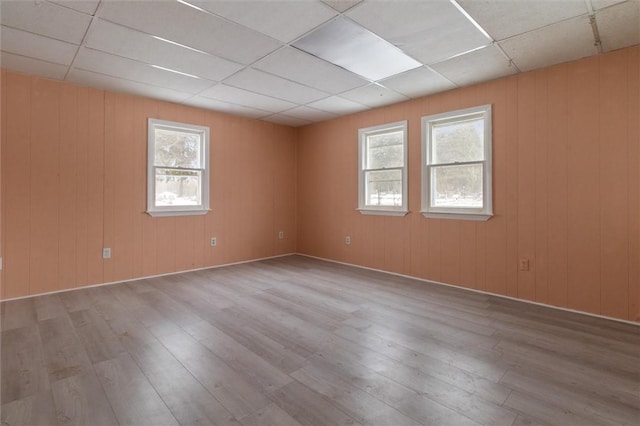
174 71
348 45
473 21
178 44
192 5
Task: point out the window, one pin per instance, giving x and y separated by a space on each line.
456 164
178 169
382 170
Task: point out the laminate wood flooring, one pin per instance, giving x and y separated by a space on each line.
299 341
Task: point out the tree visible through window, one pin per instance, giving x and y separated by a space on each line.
457 164
178 168
383 169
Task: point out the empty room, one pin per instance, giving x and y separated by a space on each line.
320 212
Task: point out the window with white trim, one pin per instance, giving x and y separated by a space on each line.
382 178
456 164
178 169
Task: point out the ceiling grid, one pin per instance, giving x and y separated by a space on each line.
304 61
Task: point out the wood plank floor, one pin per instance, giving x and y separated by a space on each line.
295 340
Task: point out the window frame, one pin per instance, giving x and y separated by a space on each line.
203 131
363 133
460 213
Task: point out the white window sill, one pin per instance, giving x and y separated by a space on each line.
376 212
163 213
479 217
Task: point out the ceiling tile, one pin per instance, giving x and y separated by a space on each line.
309 114
273 17
229 108
115 84
600 4
32 66
270 85
342 5
46 19
484 64
337 105
619 25
116 66
185 25
418 82
374 95
301 67
286 120
506 18
36 46
429 31
561 42
85 6
122 41
237 96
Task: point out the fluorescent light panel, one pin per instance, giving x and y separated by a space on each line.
348 45
175 71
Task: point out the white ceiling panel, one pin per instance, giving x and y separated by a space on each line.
481 65
619 25
342 5
561 42
115 84
600 4
208 103
283 20
32 66
85 6
46 19
185 25
37 46
286 120
270 85
506 18
116 66
374 95
418 82
237 96
132 44
309 114
427 30
301 67
337 105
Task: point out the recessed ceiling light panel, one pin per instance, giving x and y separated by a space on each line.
347 44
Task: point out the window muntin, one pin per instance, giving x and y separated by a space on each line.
178 172
382 169
456 174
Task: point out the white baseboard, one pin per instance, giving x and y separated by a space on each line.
150 276
474 290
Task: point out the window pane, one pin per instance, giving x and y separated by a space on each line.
461 141
177 149
383 188
457 186
385 150
178 187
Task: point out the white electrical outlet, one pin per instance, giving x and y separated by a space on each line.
281 235
0 264
106 253
214 241
347 240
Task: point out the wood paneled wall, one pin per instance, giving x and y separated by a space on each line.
74 181
566 191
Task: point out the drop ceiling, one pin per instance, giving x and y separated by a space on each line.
274 59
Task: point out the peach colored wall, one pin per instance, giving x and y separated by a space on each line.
74 181
566 191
